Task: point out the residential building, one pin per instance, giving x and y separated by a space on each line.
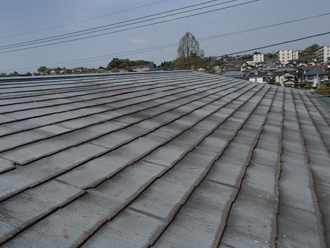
248 68
269 67
258 57
295 63
287 54
148 66
310 67
258 76
315 76
323 54
79 69
286 78
228 68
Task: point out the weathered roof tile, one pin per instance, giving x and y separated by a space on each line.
161 159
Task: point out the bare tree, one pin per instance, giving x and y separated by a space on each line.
189 51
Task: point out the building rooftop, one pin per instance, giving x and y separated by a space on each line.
235 73
315 71
181 159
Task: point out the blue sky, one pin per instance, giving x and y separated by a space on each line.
20 16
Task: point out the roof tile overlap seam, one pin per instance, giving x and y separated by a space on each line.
292 100
164 124
112 85
204 174
314 123
97 93
96 122
304 139
80 107
246 168
16 120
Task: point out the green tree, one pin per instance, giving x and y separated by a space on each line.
189 51
13 74
42 69
3 74
128 69
114 70
312 49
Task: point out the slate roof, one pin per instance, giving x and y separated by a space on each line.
257 74
315 71
180 159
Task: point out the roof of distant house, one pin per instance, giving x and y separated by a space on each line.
315 71
235 73
181 159
313 66
286 69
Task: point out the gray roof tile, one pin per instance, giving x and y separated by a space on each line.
162 159
201 220
29 206
6 165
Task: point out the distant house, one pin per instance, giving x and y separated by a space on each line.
286 78
228 68
316 75
286 69
278 64
148 66
236 74
310 67
248 67
244 64
269 67
258 76
35 74
79 69
53 72
295 63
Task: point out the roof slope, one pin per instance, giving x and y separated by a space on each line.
315 71
178 159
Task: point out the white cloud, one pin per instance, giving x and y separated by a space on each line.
139 41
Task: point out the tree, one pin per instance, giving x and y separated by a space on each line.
128 69
42 69
3 74
114 70
189 51
312 49
13 74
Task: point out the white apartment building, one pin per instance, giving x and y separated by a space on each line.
323 54
286 55
259 57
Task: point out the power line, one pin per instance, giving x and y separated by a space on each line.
86 20
149 49
127 29
202 39
106 27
